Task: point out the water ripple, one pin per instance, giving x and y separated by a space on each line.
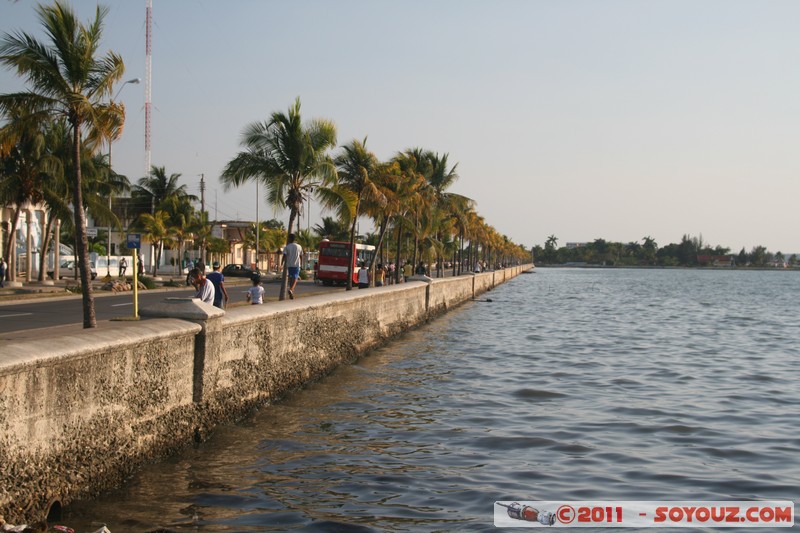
575 384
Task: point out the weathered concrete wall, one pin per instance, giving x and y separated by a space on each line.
81 412
78 413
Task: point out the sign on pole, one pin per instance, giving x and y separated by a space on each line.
133 241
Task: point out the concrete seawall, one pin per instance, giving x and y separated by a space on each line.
81 412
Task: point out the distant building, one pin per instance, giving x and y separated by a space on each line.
573 245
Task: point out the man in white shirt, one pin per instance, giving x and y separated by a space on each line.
205 289
292 254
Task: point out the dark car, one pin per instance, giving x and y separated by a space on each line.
240 271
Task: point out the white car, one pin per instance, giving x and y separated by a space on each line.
68 270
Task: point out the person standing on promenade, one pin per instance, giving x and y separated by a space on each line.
2 272
363 276
420 269
140 267
408 270
380 275
255 294
205 289
123 266
220 294
292 254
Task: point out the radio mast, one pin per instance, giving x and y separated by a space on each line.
148 104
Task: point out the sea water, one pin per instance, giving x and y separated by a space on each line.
566 384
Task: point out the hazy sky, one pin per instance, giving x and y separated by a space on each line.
583 119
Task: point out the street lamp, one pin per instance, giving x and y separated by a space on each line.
111 168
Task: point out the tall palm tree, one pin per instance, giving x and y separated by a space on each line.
291 160
157 229
66 79
416 165
155 190
183 220
388 178
22 175
331 229
355 167
441 177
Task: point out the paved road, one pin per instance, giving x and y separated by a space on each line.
67 310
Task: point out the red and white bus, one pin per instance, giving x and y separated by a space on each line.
334 257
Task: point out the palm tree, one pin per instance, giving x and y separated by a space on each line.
183 220
22 175
65 79
383 210
156 189
416 164
290 159
355 166
331 229
155 192
157 229
440 179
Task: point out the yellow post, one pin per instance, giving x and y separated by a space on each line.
135 283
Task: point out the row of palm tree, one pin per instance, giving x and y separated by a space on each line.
52 133
66 81
405 196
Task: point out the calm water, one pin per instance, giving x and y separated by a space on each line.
569 385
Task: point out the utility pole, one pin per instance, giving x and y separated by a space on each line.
203 216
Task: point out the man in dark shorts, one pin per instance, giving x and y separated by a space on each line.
293 255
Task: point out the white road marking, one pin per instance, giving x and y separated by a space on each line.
17 314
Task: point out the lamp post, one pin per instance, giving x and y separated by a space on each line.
111 169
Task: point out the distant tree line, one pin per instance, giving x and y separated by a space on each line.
690 251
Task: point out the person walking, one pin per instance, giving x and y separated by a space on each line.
205 289
220 294
255 294
363 276
123 266
2 272
292 255
140 267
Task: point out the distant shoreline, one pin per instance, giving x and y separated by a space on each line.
662 267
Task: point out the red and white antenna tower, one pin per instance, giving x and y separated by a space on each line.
148 66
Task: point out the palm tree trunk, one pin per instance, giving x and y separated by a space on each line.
397 254
45 244
352 246
381 232
285 273
89 320
11 271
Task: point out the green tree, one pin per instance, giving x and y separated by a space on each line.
157 229
355 166
66 79
22 174
155 190
291 160
442 177
331 229
159 192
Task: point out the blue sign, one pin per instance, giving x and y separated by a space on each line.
134 241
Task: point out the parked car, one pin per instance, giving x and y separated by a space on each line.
240 271
68 270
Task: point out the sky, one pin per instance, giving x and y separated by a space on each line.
582 119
